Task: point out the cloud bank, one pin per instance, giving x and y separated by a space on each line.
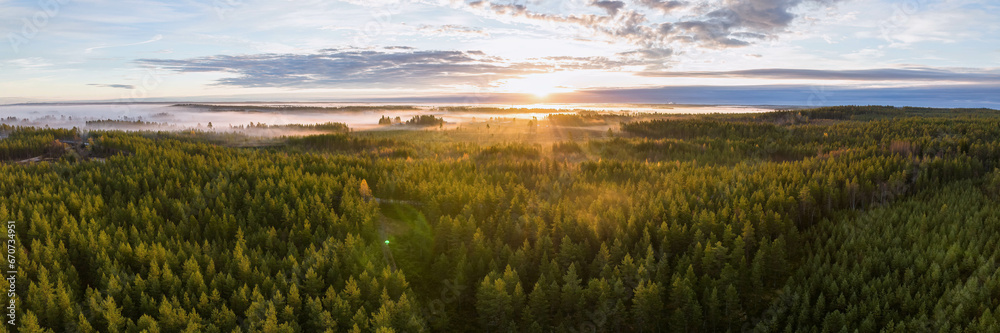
406 67
973 96
879 74
389 67
386 68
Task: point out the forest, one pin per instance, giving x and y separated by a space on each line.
836 219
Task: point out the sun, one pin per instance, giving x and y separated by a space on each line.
538 85
543 92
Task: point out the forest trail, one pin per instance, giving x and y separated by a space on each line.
394 201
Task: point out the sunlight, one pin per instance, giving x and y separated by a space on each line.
539 85
542 92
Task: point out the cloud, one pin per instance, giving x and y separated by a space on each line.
880 74
154 39
663 6
405 67
651 59
982 95
612 7
384 68
712 24
392 67
650 53
623 24
771 95
119 86
452 30
33 63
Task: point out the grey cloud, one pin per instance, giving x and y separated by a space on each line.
713 24
882 74
663 6
351 68
372 68
651 53
391 67
737 21
612 7
627 25
522 11
712 34
654 59
119 86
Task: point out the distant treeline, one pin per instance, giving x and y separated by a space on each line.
295 108
496 110
123 123
421 120
324 127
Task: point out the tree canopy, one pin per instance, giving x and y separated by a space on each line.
843 219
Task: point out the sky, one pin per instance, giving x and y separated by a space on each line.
778 52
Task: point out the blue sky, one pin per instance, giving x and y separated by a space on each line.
802 52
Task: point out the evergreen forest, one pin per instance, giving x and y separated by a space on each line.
836 219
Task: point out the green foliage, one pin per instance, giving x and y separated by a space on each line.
385 120
324 127
122 124
425 120
693 128
698 224
924 264
17 143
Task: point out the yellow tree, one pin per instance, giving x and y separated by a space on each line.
364 190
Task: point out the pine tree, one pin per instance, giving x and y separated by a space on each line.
647 306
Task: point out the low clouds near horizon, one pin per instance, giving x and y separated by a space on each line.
402 67
945 96
384 68
877 74
389 67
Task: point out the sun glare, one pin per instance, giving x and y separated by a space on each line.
539 85
543 92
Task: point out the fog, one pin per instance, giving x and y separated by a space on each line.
169 116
